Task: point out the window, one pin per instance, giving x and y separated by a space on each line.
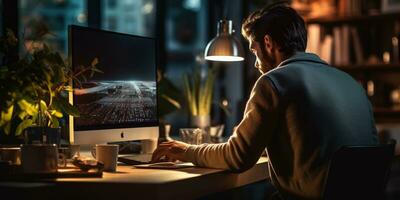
129 16
37 16
186 26
185 39
1 19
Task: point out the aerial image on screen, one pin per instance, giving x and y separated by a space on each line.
124 94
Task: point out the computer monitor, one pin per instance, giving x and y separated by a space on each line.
119 104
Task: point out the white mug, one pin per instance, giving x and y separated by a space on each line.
108 155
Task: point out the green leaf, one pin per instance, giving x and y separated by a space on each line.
29 108
54 122
23 125
189 95
63 105
6 115
7 128
171 101
48 118
198 91
22 115
43 105
56 113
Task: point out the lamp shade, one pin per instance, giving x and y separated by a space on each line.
224 47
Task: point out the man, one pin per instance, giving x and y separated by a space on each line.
300 111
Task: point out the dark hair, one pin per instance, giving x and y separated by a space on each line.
281 23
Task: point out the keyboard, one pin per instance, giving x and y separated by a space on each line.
135 159
166 165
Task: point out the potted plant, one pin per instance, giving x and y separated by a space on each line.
199 93
169 101
34 89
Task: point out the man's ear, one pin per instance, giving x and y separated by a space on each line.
269 43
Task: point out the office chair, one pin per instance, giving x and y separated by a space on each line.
359 172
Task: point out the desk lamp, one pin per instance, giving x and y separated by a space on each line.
224 47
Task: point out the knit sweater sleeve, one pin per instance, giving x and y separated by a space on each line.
249 139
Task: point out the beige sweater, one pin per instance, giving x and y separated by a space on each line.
300 113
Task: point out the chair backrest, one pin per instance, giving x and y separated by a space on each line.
359 172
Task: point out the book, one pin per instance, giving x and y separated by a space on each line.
326 49
345 46
337 45
358 51
313 41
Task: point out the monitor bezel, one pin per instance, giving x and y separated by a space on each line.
112 133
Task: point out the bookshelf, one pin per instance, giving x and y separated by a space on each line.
370 68
363 70
352 19
384 115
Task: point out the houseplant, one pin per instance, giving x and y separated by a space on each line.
33 87
198 92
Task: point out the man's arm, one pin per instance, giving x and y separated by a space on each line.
250 138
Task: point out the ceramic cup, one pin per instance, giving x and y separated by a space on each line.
11 155
108 155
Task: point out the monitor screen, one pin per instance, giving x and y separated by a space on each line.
124 95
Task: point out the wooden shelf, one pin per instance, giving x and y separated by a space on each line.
387 114
370 68
383 110
353 19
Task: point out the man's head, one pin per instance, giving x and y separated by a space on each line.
275 33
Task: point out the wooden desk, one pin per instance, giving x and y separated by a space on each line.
132 183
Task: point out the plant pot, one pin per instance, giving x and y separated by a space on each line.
42 135
200 121
39 158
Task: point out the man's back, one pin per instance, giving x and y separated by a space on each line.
300 112
321 109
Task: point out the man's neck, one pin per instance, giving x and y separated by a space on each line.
280 57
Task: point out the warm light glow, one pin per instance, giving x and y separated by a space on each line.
148 8
370 88
225 102
386 57
81 18
224 58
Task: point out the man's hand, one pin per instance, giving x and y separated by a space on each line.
170 151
